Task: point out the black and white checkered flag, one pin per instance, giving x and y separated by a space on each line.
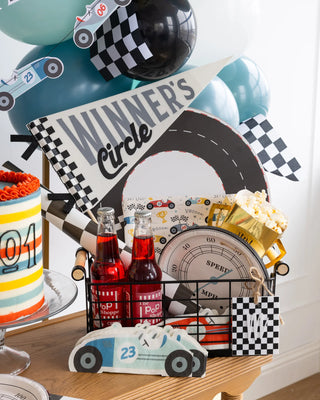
119 45
76 225
269 147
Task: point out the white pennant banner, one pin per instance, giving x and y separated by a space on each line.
92 147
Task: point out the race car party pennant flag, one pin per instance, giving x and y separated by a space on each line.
118 44
255 327
269 147
93 146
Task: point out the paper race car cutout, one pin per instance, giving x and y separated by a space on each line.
27 77
97 13
142 349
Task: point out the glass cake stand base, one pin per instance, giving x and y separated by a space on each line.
12 361
59 292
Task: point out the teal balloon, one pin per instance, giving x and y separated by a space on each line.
215 99
80 83
40 22
249 87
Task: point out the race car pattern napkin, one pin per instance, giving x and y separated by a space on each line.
255 327
119 45
169 216
269 147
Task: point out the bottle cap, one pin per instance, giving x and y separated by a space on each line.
105 211
142 214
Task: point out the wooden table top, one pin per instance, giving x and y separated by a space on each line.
50 343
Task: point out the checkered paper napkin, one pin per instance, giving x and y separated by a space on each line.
119 45
269 147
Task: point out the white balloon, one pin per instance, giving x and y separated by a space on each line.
224 28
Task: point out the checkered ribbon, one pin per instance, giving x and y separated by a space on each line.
269 147
119 45
50 144
255 327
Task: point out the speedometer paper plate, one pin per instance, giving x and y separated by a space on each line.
213 263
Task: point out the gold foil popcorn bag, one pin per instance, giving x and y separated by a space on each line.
255 220
256 205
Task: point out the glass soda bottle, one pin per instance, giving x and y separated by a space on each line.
144 299
107 300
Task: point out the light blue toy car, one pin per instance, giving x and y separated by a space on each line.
141 349
197 200
27 77
97 13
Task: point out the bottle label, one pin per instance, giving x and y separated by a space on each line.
145 307
107 305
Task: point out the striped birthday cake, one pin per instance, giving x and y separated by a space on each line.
21 271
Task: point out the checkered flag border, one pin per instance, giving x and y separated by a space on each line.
269 147
258 334
119 45
50 144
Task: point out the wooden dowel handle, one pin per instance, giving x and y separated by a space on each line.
78 271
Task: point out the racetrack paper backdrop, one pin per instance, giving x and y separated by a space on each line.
94 146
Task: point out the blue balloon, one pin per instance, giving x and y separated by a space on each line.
249 87
80 83
215 99
40 22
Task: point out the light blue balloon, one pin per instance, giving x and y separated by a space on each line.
215 99
40 22
80 83
249 87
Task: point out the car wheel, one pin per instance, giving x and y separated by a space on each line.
173 230
282 268
88 359
83 38
163 240
207 202
188 203
122 3
149 206
6 101
171 205
53 68
199 363
179 363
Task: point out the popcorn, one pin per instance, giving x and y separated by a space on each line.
259 208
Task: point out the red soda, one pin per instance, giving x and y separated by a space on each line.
107 300
144 299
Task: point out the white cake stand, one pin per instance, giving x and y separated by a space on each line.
59 291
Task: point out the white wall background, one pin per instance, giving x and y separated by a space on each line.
285 44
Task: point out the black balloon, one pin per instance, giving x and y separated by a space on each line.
169 29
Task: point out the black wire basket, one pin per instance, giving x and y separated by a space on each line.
209 321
